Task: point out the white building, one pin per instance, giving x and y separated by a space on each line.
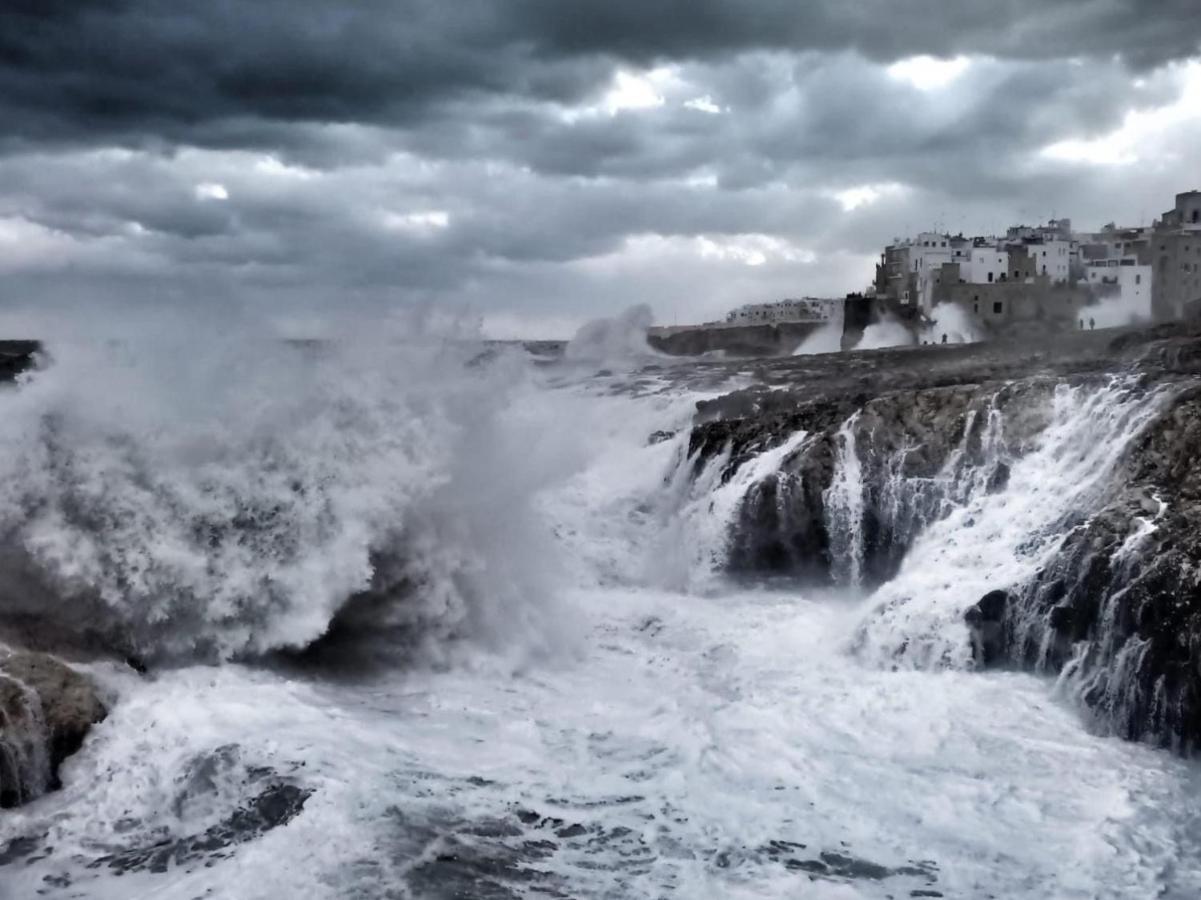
1131 281
989 263
927 254
808 309
1052 258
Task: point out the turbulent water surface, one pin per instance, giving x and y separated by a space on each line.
545 685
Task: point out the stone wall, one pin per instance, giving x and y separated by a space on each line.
1014 308
738 340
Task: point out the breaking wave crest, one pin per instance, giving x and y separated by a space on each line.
183 498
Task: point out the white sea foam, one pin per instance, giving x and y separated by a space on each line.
227 496
693 734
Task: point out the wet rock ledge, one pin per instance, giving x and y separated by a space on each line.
1117 612
46 711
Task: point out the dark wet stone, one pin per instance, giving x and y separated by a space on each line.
658 437
815 866
1128 624
777 847
1061 618
20 848
999 480
46 710
275 806
986 622
839 865
651 625
487 872
850 867
495 828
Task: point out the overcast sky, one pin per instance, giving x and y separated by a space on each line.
543 162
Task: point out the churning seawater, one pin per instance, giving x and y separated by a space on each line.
556 695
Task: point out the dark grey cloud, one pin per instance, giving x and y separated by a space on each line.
146 70
294 154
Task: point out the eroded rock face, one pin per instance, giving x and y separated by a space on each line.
917 450
46 710
1118 609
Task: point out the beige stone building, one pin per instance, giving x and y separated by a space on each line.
1176 257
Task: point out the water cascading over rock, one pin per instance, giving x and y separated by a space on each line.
46 710
1042 522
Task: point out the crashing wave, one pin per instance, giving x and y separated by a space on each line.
229 498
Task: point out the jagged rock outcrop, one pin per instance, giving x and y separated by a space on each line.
1120 607
1116 610
46 711
919 451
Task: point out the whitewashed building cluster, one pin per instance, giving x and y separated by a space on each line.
808 309
1153 271
911 270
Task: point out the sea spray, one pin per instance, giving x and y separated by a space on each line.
888 332
827 338
950 323
615 338
225 496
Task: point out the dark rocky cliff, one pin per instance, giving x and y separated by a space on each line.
734 340
1118 608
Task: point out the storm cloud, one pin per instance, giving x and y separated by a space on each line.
542 162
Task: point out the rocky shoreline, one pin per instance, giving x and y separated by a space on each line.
1117 612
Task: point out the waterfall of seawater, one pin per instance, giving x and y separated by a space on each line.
997 537
24 755
844 509
710 509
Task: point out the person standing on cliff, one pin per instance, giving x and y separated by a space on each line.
1092 324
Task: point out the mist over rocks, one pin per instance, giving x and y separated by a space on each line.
896 441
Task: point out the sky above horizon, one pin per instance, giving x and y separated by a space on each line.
535 164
